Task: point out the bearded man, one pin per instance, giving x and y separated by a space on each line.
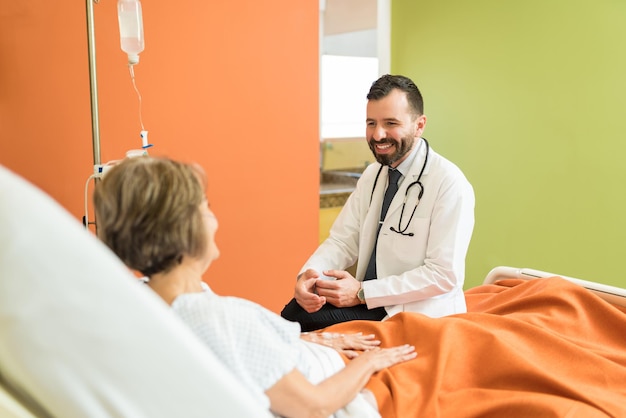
408 223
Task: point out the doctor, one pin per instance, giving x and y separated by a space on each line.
413 257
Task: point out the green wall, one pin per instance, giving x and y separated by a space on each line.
529 99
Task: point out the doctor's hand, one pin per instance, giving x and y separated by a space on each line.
341 292
305 292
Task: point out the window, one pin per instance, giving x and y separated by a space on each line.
346 81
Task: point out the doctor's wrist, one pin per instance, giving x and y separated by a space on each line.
360 294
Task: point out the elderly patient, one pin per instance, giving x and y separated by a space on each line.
153 213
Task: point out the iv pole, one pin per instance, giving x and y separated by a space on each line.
95 124
93 84
91 45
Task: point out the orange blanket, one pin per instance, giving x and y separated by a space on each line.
539 348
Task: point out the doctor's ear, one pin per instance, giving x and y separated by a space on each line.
420 124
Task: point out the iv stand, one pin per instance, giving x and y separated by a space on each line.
91 44
93 85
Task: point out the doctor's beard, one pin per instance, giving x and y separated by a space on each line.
403 147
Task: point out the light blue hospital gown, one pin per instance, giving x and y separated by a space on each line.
258 346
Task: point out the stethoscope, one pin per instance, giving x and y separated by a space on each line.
401 230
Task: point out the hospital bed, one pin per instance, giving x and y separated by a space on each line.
80 338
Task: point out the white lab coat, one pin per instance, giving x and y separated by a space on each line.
421 273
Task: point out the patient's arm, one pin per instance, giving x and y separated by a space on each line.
294 396
347 344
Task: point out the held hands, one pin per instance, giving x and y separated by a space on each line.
341 292
348 344
304 292
312 293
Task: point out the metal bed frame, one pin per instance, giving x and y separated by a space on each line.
611 294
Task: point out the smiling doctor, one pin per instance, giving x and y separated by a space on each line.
412 258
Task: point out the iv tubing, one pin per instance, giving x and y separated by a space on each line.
86 217
132 77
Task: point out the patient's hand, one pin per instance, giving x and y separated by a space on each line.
348 344
381 358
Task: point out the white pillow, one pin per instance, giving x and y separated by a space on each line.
83 337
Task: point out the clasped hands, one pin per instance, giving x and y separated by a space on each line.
312 293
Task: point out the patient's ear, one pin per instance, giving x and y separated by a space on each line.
83 337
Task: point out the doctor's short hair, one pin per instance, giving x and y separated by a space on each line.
387 83
148 212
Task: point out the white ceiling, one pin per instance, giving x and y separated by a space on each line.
341 16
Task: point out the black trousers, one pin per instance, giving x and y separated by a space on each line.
329 315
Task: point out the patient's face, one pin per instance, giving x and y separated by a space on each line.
210 225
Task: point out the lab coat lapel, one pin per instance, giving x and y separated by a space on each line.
370 223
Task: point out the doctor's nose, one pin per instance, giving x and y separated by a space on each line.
378 133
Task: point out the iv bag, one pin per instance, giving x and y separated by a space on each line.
131 28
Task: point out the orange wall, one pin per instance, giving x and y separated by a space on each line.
230 85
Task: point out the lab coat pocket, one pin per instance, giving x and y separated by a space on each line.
411 247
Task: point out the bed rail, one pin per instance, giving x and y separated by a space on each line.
611 294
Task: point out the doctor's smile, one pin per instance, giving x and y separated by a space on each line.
383 146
